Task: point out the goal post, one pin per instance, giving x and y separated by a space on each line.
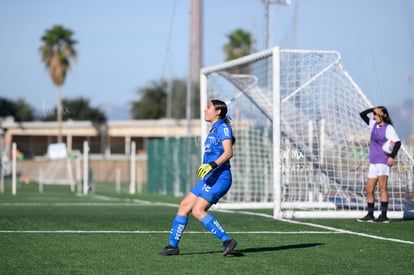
302 148
277 207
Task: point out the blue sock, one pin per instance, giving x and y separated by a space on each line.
177 230
211 224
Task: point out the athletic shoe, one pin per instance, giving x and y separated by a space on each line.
367 218
383 219
169 251
229 246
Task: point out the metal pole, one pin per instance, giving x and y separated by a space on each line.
195 48
85 167
1 158
132 186
118 180
169 94
1 180
14 180
189 77
266 18
266 26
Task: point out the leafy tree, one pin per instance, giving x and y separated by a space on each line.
24 112
179 99
57 51
78 109
19 109
7 108
153 101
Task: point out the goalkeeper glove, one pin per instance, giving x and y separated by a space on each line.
205 168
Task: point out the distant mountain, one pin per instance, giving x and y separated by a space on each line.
115 112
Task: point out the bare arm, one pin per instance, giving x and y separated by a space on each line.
227 154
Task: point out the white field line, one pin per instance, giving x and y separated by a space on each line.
84 204
350 232
333 229
136 202
154 232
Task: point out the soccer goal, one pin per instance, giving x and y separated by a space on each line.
58 168
302 148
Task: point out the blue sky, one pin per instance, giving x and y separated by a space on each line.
123 44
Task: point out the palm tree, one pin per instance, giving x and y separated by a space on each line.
57 50
239 45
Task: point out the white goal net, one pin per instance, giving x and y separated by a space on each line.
302 148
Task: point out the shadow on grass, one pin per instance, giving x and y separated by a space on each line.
240 252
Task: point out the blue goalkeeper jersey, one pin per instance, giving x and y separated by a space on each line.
213 147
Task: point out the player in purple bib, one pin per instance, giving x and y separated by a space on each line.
380 162
215 181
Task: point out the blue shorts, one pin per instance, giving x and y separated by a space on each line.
213 187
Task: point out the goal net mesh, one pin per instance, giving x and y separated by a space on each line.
324 143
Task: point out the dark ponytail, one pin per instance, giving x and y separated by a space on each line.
222 106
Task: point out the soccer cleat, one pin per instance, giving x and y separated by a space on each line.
229 246
170 251
367 218
383 219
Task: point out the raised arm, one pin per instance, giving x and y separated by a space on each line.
364 114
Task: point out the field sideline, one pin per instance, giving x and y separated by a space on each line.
57 232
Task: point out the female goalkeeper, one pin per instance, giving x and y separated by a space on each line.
215 181
380 162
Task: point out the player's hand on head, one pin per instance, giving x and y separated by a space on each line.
205 168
